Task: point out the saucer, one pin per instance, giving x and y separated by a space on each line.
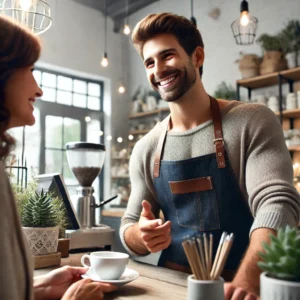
127 276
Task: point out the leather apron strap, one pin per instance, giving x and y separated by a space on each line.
218 140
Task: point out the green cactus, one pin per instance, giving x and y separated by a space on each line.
281 257
39 211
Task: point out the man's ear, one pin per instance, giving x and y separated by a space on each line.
198 57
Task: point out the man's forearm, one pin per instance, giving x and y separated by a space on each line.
134 241
248 273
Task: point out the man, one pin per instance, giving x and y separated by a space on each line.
212 166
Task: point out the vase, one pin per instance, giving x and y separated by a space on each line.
278 289
42 240
273 61
293 59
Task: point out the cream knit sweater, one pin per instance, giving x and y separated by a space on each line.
257 153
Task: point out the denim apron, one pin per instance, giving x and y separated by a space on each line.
201 195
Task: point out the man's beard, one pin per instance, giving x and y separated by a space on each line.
187 78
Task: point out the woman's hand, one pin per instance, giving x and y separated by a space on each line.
54 284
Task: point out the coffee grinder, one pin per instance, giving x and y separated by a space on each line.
86 162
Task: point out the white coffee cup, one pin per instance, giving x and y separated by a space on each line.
107 265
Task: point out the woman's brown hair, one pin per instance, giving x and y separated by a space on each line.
186 33
19 48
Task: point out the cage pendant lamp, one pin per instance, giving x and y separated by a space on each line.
34 14
244 28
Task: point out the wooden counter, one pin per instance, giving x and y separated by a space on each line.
153 282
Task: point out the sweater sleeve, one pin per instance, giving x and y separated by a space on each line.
139 169
273 200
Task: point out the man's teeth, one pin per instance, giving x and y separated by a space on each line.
164 82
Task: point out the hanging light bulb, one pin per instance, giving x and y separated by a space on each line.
130 137
25 4
121 89
88 119
244 28
119 140
109 138
104 61
34 14
101 133
245 19
126 29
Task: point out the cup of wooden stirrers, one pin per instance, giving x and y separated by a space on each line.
206 283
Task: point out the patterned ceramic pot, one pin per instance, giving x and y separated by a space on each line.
42 240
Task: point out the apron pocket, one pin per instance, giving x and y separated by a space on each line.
196 204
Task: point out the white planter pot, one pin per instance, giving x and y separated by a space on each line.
293 59
42 240
277 289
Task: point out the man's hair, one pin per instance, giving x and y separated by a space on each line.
19 48
183 29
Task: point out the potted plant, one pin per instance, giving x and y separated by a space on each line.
249 65
43 217
273 59
281 266
290 40
225 91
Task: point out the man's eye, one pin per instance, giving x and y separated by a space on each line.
168 56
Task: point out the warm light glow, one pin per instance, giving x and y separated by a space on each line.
119 140
126 29
109 138
130 137
245 18
88 119
25 4
104 62
121 89
100 133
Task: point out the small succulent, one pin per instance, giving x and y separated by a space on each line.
39 211
281 258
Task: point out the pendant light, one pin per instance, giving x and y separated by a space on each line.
122 88
126 29
104 61
34 14
244 28
193 19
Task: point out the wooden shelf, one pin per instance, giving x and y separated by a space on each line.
293 113
294 148
120 177
269 79
149 113
293 74
137 132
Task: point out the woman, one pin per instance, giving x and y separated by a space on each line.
19 50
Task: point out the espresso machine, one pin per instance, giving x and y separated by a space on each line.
86 162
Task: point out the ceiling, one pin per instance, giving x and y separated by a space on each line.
116 9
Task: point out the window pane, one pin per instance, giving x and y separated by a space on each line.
64 83
68 175
53 161
71 130
49 94
94 103
64 97
37 75
54 132
79 100
93 129
80 86
94 89
48 79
